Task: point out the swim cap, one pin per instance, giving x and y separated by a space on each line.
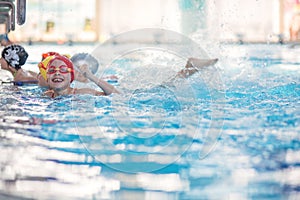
15 55
52 53
43 66
85 58
66 60
46 57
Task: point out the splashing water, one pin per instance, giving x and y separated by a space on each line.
146 142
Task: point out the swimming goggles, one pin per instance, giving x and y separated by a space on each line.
62 69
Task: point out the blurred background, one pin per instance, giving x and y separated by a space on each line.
97 20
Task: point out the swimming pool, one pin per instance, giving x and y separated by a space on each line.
147 144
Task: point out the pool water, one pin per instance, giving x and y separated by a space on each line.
188 140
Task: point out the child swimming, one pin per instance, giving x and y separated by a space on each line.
13 57
77 59
60 74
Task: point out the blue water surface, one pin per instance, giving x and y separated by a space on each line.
183 141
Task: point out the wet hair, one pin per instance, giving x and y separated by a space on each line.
86 58
15 55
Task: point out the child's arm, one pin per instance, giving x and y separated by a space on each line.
106 87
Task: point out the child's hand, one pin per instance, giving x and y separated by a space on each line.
84 69
49 93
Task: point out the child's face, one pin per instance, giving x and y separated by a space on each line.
58 75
